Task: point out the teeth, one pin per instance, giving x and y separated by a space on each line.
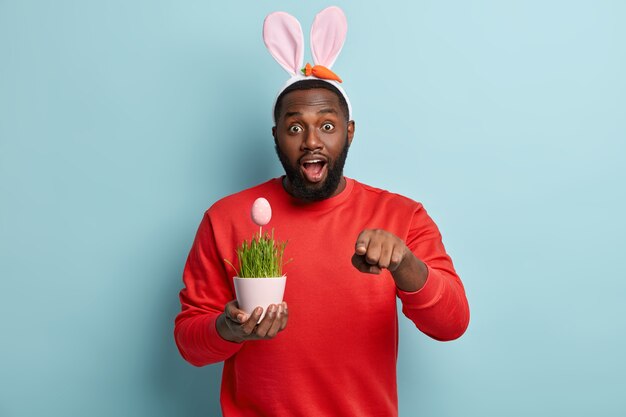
315 161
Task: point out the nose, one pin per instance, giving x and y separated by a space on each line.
311 141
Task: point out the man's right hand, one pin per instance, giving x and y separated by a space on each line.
236 326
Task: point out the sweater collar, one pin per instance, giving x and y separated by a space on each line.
328 203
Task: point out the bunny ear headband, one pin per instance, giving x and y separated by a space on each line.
283 38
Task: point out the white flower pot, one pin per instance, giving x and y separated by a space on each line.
259 292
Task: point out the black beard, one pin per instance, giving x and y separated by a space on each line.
299 187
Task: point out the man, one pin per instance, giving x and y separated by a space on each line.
332 351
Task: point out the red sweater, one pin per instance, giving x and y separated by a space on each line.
337 356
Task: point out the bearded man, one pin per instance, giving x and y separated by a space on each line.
355 249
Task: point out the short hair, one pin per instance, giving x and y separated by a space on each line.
310 85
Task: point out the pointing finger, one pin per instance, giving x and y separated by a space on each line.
362 242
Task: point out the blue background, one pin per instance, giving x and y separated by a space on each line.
122 121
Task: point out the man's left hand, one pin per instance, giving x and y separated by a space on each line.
378 249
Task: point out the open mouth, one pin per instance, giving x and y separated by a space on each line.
314 170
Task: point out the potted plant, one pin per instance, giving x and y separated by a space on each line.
260 280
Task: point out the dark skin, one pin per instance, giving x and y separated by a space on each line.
312 125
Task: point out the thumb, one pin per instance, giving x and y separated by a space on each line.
358 261
234 313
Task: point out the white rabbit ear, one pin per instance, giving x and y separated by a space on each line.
328 34
283 37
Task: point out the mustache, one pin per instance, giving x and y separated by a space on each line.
304 191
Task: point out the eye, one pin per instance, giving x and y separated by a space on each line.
328 127
295 129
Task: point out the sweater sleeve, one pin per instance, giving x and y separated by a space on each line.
206 291
440 308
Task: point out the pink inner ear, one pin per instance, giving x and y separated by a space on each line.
283 37
328 34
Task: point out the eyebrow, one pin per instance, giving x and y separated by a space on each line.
292 113
322 111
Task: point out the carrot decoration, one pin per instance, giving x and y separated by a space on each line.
320 71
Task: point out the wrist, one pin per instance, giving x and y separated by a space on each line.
224 330
411 274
